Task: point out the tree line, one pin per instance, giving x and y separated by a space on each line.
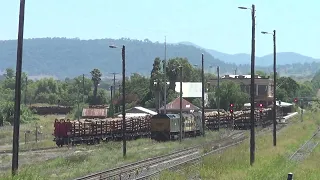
140 90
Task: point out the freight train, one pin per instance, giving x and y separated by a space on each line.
93 131
167 126
160 127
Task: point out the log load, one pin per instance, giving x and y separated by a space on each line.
237 120
101 127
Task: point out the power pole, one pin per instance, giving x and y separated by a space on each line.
78 103
165 75
124 147
274 90
114 92
202 93
235 71
252 129
180 138
83 88
16 128
111 88
114 81
25 92
218 101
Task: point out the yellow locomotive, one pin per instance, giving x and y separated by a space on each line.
167 126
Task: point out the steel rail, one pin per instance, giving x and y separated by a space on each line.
146 162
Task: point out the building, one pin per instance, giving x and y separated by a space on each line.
174 106
263 86
137 111
192 90
91 113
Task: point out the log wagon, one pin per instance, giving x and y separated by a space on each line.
93 131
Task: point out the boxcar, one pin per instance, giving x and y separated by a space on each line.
167 126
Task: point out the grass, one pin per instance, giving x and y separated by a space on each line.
44 139
89 159
270 162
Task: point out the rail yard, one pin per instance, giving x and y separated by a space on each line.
158 127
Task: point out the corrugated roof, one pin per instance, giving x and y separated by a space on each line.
283 104
175 104
94 112
146 110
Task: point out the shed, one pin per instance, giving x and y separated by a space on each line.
283 104
138 111
174 106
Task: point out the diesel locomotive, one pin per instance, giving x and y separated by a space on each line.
167 126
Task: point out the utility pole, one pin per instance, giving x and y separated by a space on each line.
218 100
83 88
202 94
301 107
180 138
123 52
114 92
114 81
274 90
252 130
165 75
25 92
274 87
252 133
124 101
78 103
16 128
111 88
235 71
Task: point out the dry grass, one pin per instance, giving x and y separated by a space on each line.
44 139
88 159
271 162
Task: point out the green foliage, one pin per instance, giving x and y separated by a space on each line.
140 90
7 113
230 92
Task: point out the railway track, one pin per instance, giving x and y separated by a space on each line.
306 148
196 160
150 167
141 168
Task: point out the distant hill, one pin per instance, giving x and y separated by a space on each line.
62 57
283 58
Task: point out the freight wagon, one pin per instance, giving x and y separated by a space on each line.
167 126
238 120
93 131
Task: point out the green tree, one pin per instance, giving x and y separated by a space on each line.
230 92
96 78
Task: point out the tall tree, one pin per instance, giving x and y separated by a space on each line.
96 78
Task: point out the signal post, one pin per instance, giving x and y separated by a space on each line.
232 116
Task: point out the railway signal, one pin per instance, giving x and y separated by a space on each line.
295 100
231 108
232 117
260 110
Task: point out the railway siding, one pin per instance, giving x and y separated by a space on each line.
306 149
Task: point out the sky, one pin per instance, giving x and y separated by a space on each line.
212 24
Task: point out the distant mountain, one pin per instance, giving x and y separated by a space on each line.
283 58
62 57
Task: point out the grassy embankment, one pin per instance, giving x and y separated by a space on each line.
90 159
44 139
271 162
